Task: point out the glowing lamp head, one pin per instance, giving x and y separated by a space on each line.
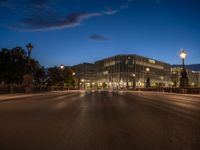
73 73
183 54
147 69
133 75
62 67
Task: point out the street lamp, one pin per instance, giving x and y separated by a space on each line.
74 79
133 81
29 47
148 78
183 55
62 67
184 81
28 78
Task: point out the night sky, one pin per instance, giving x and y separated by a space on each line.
75 31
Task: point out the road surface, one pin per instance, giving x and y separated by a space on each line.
100 120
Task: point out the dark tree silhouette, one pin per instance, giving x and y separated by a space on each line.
13 66
57 76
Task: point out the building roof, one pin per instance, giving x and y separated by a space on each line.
133 55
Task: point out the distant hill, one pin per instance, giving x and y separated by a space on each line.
194 67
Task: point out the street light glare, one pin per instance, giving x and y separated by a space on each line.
183 54
147 69
62 66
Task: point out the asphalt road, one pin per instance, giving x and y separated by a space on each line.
100 120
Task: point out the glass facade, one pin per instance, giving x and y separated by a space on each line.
84 74
128 70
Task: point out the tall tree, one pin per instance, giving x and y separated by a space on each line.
54 75
13 66
57 76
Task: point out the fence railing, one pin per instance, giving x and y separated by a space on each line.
7 89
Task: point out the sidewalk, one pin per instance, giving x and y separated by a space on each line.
166 93
4 97
14 96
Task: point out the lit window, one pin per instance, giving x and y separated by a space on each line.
152 61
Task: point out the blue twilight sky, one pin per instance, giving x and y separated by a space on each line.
75 31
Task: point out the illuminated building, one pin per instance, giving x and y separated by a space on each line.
131 71
122 71
85 74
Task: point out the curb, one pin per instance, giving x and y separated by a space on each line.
187 95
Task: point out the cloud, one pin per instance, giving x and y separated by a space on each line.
37 24
98 38
39 15
110 11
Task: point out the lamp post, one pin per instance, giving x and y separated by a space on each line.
28 78
29 48
148 84
133 75
62 68
74 80
184 81
183 55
